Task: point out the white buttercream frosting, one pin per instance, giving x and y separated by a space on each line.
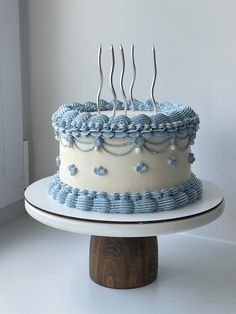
121 175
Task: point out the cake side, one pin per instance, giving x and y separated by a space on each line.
126 167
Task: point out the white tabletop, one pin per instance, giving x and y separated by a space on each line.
46 210
46 270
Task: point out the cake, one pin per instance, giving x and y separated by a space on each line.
112 162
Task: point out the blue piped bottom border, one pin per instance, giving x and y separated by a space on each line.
146 202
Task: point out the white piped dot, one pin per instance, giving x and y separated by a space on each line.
173 147
138 150
97 149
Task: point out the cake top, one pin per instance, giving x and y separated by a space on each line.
76 120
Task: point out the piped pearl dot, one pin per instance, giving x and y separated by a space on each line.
57 137
97 149
173 147
138 150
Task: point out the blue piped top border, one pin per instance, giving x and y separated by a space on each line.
75 120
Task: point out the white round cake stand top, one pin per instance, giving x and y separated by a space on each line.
46 210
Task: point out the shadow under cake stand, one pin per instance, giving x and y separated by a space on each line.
123 247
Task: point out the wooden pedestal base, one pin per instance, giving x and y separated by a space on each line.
123 263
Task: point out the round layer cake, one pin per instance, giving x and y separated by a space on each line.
116 163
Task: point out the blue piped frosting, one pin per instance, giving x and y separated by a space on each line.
100 171
173 161
98 141
141 167
166 202
72 121
138 141
72 169
101 203
84 201
146 202
191 158
71 198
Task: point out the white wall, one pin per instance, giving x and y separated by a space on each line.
196 65
11 126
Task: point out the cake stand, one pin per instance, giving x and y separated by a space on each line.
123 247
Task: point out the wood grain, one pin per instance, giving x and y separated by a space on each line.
123 263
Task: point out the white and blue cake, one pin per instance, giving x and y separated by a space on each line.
113 162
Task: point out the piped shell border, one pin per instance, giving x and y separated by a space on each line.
75 120
146 202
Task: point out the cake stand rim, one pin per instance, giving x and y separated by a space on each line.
124 229
47 204
181 223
